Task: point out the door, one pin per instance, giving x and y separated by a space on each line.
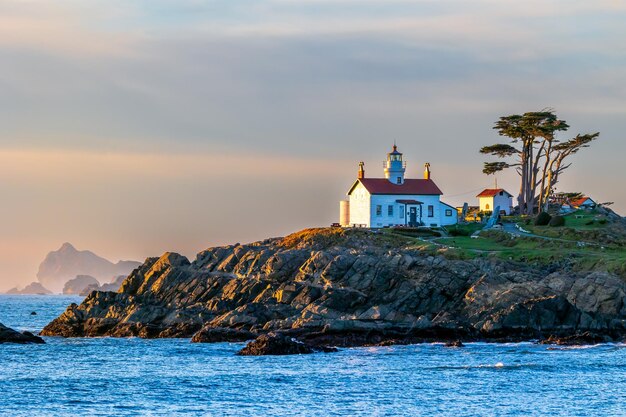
413 216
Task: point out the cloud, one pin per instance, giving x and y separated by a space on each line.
138 118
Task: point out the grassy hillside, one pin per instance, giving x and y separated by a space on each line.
590 240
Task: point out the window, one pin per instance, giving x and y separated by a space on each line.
401 211
389 211
501 192
379 210
487 207
431 211
448 213
399 180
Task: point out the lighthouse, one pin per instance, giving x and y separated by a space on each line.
395 201
395 166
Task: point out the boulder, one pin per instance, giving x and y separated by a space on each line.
279 344
582 339
222 334
8 335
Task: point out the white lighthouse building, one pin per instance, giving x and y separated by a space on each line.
395 200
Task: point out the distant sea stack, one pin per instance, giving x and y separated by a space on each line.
77 285
111 286
349 287
67 263
34 288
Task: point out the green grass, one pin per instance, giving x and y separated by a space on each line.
464 229
584 226
537 251
608 253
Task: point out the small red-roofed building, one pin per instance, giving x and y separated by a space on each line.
491 198
395 200
579 203
583 202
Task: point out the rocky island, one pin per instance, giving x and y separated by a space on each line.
34 288
351 287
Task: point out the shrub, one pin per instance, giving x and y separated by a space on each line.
542 219
557 221
456 231
602 221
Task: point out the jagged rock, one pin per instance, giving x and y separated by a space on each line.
279 344
8 335
348 287
454 344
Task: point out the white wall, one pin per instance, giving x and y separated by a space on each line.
387 200
360 206
504 201
485 203
448 220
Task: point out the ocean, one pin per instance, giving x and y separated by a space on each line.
173 377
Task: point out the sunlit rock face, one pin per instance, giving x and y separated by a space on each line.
67 263
347 287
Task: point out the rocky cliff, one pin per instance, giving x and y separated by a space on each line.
349 287
67 262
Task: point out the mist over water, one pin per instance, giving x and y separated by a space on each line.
129 377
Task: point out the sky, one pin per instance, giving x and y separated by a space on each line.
131 128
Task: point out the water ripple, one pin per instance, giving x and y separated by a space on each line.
130 377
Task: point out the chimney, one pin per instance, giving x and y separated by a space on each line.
361 170
426 171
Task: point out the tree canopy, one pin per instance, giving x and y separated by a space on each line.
535 152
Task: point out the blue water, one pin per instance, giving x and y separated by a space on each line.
130 377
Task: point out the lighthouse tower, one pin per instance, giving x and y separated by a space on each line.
395 167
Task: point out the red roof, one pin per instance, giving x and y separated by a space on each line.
492 192
409 187
579 202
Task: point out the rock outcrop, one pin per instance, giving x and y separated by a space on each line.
34 288
66 263
79 284
8 335
349 287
